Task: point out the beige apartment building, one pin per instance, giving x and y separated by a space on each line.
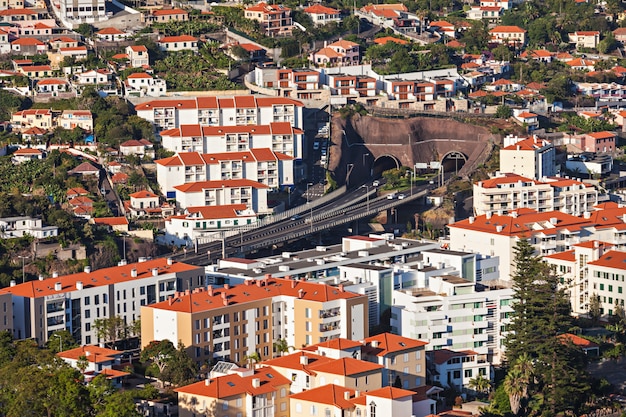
233 322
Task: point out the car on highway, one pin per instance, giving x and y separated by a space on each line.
401 196
316 146
295 217
376 183
391 196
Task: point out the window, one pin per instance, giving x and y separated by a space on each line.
418 354
225 405
467 373
87 301
239 402
87 314
298 408
456 374
372 409
313 410
307 313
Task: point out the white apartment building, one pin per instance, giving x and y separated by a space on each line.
221 111
223 192
73 302
141 84
506 192
592 268
12 227
205 222
453 313
529 157
75 12
273 169
456 369
496 234
276 136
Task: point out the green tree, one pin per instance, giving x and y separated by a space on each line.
607 44
595 308
160 353
281 346
480 384
61 339
503 112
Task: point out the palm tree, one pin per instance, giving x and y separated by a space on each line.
480 384
515 388
281 347
254 357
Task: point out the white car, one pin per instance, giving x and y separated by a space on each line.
391 196
376 183
401 196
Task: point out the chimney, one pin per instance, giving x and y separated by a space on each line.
356 394
587 215
170 300
79 285
346 395
133 272
87 269
300 293
259 283
554 220
499 228
514 214
304 360
471 219
155 272
518 147
207 382
227 286
596 244
170 261
294 283
268 276
256 382
210 291
13 283
55 274
488 215
58 286
341 288
224 296
40 277
225 302
374 343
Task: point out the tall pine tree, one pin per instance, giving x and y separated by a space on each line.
541 314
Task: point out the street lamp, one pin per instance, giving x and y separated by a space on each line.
348 172
23 273
364 155
367 195
60 342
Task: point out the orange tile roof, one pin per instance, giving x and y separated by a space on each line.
580 62
528 144
143 194
80 201
113 373
342 43
591 244
455 44
577 341
526 115
506 178
441 24
563 256
181 38
391 6
386 39
13 12
119 177
92 353
33 112
27 151
100 277
293 361
319 9
390 343
587 33
138 48
346 367
611 259
51 81
442 356
602 135
337 344
77 191
216 103
620 32
250 47
27 42
502 81
391 393
111 221
254 291
110 31
234 384
507 29
199 186
328 52
139 75
166 12
327 394
224 211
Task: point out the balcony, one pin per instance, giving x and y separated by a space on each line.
329 327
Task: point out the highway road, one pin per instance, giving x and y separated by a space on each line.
352 206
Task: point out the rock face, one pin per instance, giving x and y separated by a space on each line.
363 141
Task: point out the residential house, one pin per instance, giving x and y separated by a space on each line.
490 14
143 203
510 35
71 119
529 157
540 55
527 119
224 192
443 27
76 192
321 15
121 290
585 39
111 34
138 56
28 46
112 224
166 15
352 85
94 77
178 43
386 39
203 320
26 154
599 142
37 29
140 147
76 52
275 19
242 391
26 119
455 369
255 52
339 53
5 44
204 222
504 4
62 42
52 86
85 169
35 71
508 192
142 84
581 64
19 16
99 361
12 227
81 206
587 346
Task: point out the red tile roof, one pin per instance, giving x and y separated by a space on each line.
390 343
327 394
391 393
507 29
166 12
27 42
253 292
111 221
143 194
442 356
319 9
181 38
100 277
386 39
578 341
27 151
234 384
110 31
92 353
602 135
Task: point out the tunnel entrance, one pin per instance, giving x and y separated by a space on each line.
384 163
453 161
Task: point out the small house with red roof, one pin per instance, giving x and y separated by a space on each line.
454 369
590 348
178 43
582 64
71 119
386 39
26 154
339 53
85 169
510 35
142 84
487 13
76 192
321 15
28 46
99 361
143 203
119 178
255 52
35 71
93 77
81 206
166 15
219 192
52 86
26 119
600 142
275 19
62 42
527 119
5 44
203 222
111 34
139 147
585 39
138 56
115 224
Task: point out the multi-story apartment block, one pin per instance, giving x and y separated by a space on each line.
275 19
204 222
273 169
454 313
12 227
232 322
295 83
75 12
73 302
404 359
252 194
352 85
239 392
529 157
455 369
214 111
508 192
274 137
411 90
